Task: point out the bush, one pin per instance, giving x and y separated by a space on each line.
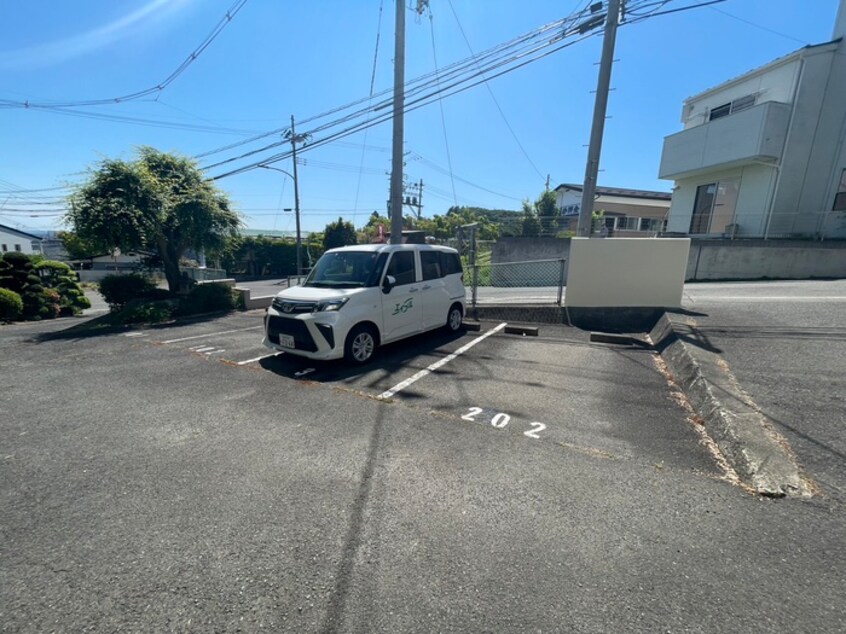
60 277
49 306
17 274
208 298
119 290
144 311
11 305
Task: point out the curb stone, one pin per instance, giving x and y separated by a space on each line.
760 455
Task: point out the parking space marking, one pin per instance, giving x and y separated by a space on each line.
202 348
499 420
218 351
212 334
264 356
135 334
404 384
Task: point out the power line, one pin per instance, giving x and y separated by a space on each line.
758 26
151 123
656 13
372 86
441 106
493 97
414 85
230 14
501 66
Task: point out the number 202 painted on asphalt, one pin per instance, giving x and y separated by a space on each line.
501 419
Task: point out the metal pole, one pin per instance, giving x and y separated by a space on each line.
561 282
396 157
474 266
297 200
599 109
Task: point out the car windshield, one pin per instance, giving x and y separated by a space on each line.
346 269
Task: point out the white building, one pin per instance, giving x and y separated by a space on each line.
628 212
764 154
16 240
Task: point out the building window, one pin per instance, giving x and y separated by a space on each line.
700 221
3 248
627 223
17 247
714 207
651 224
720 112
840 197
742 103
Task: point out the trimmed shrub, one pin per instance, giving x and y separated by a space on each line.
148 312
208 298
60 277
49 306
119 290
11 305
17 274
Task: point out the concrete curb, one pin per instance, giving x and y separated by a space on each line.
760 455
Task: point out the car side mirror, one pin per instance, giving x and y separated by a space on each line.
388 283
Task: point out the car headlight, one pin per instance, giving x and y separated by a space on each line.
331 304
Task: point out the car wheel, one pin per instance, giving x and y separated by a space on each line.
360 345
454 318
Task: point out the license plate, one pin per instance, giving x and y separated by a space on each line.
286 341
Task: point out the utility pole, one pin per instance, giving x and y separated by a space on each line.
399 105
413 197
294 140
599 109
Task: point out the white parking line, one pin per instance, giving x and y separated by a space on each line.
437 364
212 334
203 349
218 351
264 356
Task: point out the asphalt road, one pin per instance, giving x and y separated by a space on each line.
170 479
786 344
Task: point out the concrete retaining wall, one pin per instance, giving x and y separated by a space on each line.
714 259
765 259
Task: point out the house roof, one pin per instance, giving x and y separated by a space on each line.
18 232
624 193
769 65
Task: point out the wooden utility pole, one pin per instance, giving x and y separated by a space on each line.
599 109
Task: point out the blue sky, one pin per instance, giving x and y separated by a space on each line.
278 58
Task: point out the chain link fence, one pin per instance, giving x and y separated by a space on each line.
530 282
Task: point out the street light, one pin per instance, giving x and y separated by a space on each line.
296 212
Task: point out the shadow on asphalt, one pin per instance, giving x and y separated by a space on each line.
104 325
387 360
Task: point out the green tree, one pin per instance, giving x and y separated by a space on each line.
370 232
547 211
339 234
77 248
159 202
531 227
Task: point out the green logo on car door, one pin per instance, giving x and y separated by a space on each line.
403 307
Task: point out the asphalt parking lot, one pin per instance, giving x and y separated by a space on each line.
178 478
537 388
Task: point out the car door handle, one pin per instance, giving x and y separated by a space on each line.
413 290
427 287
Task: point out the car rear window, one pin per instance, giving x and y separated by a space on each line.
450 263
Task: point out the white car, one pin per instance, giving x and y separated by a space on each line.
360 297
